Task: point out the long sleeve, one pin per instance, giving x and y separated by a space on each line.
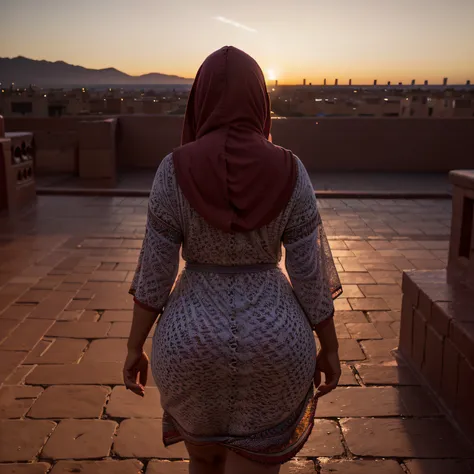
159 257
309 261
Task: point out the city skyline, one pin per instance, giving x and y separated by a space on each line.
360 40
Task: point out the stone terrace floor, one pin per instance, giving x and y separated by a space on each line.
65 313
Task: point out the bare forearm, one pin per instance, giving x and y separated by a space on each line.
141 325
326 332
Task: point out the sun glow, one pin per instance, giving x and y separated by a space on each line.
271 75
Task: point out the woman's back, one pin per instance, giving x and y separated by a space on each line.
243 336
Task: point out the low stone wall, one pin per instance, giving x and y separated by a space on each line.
56 152
323 144
437 320
437 337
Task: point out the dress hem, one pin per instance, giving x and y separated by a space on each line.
274 455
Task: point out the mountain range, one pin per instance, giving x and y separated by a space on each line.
24 71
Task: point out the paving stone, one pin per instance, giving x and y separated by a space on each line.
18 376
80 439
361 467
70 401
350 317
111 315
393 302
353 278
17 312
126 466
406 438
26 335
387 277
337 245
439 466
347 377
9 360
380 290
417 401
6 327
142 438
368 304
58 351
75 305
363 331
349 349
341 330
75 278
380 350
386 330
427 264
53 305
33 296
70 315
352 265
325 440
100 275
81 330
298 466
107 266
352 291
15 401
358 245
49 282
118 300
120 329
167 467
89 317
386 375
21 468
128 267
342 304
21 440
182 467
125 404
105 373
361 401
380 266
435 244
110 350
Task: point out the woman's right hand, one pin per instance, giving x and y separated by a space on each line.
135 371
327 363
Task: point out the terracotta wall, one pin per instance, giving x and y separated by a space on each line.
330 144
359 144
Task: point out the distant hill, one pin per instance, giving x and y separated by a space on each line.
23 72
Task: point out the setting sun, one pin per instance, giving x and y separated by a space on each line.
271 75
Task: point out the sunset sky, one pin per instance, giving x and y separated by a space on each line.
291 39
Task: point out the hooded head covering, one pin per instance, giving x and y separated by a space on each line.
226 167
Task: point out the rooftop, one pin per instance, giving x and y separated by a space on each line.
65 313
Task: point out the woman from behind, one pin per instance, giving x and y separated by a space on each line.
234 354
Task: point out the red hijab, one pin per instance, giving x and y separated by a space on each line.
226 168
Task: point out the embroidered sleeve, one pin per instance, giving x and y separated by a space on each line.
309 260
159 257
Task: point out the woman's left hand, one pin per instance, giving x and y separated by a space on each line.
135 372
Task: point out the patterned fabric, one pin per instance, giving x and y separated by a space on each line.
234 354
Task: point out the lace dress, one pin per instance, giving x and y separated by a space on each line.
234 353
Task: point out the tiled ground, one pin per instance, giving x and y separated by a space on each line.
65 314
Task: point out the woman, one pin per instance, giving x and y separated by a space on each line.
234 355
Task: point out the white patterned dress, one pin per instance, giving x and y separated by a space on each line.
234 352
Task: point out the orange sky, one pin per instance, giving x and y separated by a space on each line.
312 39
